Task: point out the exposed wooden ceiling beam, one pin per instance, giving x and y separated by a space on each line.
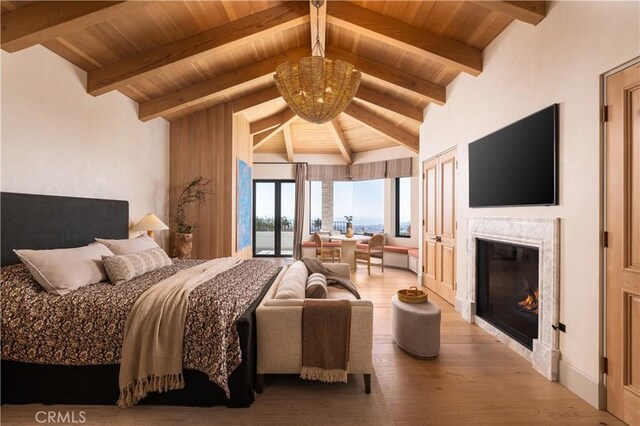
202 92
321 12
424 88
341 141
265 123
45 20
256 98
218 39
287 117
288 142
531 12
390 103
401 35
385 128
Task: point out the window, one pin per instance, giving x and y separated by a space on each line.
364 201
315 206
403 207
273 217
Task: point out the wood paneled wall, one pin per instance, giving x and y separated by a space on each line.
202 144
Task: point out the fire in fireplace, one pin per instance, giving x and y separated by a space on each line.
507 288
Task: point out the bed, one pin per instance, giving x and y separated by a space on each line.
41 222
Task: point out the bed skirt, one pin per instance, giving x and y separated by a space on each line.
25 383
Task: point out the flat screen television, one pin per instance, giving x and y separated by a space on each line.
516 165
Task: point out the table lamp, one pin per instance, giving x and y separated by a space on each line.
150 223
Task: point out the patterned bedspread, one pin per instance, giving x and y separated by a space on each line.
86 326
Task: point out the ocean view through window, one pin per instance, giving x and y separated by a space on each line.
364 200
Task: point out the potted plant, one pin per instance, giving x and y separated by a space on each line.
195 192
349 220
317 224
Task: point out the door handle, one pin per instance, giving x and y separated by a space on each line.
438 239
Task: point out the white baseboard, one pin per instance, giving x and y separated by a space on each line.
580 384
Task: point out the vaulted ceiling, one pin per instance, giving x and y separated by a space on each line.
177 57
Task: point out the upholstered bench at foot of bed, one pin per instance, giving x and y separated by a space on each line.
279 331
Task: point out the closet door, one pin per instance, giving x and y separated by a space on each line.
440 225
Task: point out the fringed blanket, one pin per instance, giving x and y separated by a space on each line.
314 266
326 332
152 347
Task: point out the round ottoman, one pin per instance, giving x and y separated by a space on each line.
416 328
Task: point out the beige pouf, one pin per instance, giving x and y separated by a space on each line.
416 328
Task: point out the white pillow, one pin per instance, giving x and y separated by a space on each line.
129 246
60 271
122 268
294 282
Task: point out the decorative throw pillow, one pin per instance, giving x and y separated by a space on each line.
293 283
129 245
60 271
122 268
316 286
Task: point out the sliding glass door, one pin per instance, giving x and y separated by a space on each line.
273 217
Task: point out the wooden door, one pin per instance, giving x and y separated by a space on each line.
623 244
440 225
429 177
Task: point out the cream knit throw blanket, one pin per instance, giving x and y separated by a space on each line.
154 334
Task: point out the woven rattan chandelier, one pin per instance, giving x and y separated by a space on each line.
316 88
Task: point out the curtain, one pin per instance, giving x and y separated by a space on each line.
301 174
364 171
327 172
402 167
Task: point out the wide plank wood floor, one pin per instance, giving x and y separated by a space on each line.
476 380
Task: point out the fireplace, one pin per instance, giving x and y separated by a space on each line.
507 288
518 302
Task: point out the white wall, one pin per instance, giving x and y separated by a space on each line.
58 140
283 171
526 69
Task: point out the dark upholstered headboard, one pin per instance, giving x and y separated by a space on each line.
30 221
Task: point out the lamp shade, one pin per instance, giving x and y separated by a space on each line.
150 222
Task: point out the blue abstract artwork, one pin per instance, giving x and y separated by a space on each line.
243 236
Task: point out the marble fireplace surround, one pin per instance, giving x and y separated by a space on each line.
544 234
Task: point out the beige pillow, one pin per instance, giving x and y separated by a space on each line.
129 245
60 271
125 267
293 282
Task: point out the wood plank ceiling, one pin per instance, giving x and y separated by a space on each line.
178 57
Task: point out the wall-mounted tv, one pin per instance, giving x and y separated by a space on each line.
516 165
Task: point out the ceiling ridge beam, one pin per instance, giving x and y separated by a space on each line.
383 127
390 103
288 142
287 117
209 89
341 140
401 35
320 14
40 22
214 40
433 92
531 12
